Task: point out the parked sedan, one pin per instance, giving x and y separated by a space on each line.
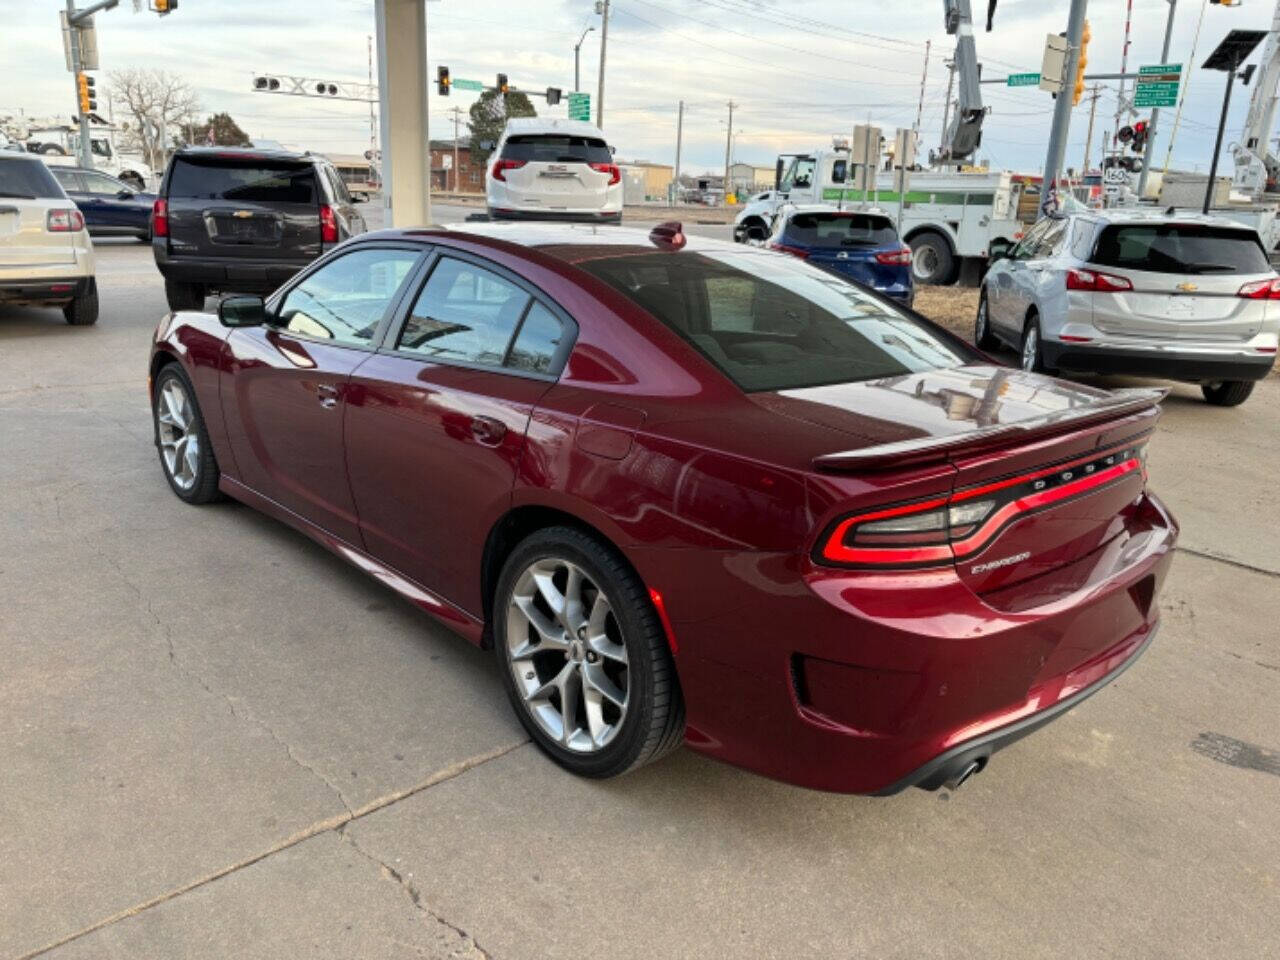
860 245
688 491
1180 296
111 207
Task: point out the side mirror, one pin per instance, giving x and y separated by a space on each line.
242 311
998 250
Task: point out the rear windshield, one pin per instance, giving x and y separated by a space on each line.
553 148
841 230
256 182
1180 248
28 180
771 322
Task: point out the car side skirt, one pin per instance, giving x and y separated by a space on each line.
456 619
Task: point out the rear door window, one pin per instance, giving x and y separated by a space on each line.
555 148
67 179
1180 248
841 229
28 180
252 182
464 313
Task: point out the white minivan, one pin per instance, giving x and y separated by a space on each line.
545 169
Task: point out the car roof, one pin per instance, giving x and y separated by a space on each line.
1129 216
19 155
527 125
790 210
245 153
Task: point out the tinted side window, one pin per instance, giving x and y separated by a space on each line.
838 170
68 179
464 313
536 344
256 182
345 299
1051 239
100 184
27 179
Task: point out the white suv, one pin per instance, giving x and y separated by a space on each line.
553 170
46 256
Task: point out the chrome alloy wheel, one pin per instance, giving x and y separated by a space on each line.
1030 348
179 433
567 655
982 320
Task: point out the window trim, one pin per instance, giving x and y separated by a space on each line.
276 300
414 289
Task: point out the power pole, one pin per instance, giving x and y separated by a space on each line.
946 106
602 7
1088 137
1062 106
679 139
728 147
924 75
457 118
1155 111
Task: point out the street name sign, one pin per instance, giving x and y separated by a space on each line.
1158 85
1022 79
460 84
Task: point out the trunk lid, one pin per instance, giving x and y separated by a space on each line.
28 192
236 206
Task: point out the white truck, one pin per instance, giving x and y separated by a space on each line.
59 144
948 219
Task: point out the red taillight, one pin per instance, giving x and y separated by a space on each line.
1095 281
160 218
1261 290
899 257
939 531
612 169
64 221
328 225
505 165
800 252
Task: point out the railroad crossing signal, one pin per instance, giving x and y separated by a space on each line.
442 81
85 92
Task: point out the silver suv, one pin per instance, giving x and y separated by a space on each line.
1179 296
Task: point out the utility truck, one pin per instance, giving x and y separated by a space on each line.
58 142
948 219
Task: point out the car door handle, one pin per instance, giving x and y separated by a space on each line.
488 430
328 396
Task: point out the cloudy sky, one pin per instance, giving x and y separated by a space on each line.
800 70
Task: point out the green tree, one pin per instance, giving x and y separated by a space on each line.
490 114
226 132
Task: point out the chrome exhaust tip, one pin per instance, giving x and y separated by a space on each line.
956 780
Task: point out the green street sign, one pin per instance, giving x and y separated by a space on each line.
459 84
1158 85
1022 79
579 106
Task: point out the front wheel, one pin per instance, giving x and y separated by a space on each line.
584 656
982 335
1227 393
186 456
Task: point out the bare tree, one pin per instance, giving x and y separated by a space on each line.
161 107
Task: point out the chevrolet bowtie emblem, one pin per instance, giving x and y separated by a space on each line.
1187 287
249 213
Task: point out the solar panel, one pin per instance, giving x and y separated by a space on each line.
1234 49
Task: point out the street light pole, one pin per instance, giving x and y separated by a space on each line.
577 49
602 7
728 149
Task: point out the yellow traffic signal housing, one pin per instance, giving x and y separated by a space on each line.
85 92
502 84
443 83
1078 90
163 7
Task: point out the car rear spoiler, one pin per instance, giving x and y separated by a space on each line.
1116 404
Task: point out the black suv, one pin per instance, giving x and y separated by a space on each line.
245 220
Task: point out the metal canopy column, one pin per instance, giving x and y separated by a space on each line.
402 87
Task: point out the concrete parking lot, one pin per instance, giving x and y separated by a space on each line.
219 740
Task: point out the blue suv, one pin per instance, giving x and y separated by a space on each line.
858 245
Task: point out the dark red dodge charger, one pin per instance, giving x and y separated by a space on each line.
688 491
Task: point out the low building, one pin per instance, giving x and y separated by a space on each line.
646 182
452 170
746 179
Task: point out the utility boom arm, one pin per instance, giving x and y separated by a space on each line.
964 132
1257 169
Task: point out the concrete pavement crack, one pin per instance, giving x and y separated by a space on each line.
1227 560
470 948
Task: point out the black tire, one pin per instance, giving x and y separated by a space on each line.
654 721
204 488
1227 393
931 259
982 335
1031 355
753 223
52 150
185 296
83 310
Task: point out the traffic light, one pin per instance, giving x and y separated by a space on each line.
1226 3
164 7
85 92
1124 134
502 84
442 81
553 96
1139 136
1078 91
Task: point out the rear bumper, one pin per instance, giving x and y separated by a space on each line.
43 290
226 273
562 216
1166 364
